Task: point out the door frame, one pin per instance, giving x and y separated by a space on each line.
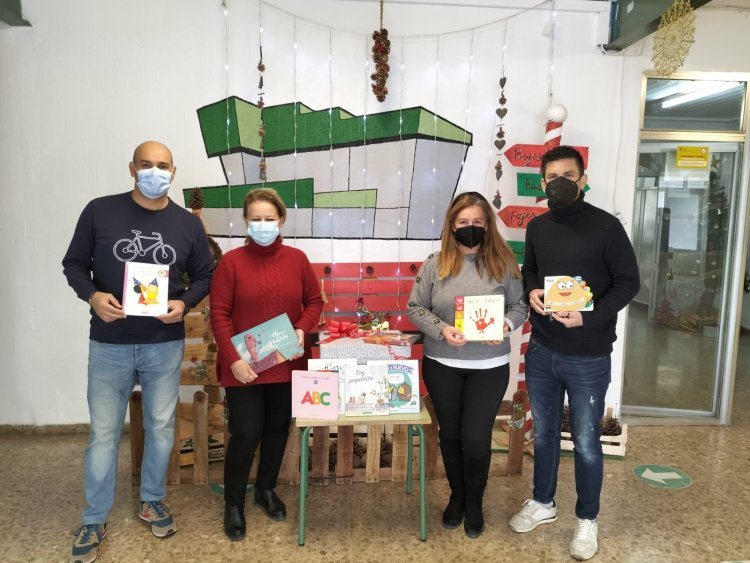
734 267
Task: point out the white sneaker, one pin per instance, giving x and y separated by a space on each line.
531 515
584 545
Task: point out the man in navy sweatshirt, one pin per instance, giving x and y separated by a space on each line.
139 226
569 351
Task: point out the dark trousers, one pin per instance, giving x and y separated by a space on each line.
466 402
257 414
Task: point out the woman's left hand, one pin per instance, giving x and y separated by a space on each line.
506 332
300 343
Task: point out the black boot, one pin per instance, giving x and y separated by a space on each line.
454 470
234 522
271 504
475 481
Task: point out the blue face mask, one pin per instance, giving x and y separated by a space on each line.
154 182
263 232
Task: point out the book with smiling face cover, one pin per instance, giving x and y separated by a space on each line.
267 344
566 293
145 291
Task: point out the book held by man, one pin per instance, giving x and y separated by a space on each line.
566 293
480 317
267 344
145 291
315 394
403 385
335 365
366 391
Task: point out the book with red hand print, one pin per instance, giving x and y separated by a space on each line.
480 317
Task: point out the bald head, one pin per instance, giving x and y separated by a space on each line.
152 153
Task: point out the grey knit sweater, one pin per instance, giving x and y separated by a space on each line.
432 307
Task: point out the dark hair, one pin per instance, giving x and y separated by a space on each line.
560 153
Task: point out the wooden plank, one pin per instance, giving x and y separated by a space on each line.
345 454
190 373
400 453
136 436
372 469
319 471
290 463
173 472
368 269
374 303
200 438
197 326
398 286
203 351
517 434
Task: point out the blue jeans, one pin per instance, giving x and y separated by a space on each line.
549 375
114 369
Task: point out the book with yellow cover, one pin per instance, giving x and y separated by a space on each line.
145 291
566 293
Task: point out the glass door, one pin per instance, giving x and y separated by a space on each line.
686 196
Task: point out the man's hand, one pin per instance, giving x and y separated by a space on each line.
242 372
106 307
536 300
570 319
453 336
176 309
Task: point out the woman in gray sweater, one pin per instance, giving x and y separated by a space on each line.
466 380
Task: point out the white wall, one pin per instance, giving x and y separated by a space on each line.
92 78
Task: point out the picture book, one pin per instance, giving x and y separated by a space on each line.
366 391
337 365
403 385
145 290
480 317
565 293
315 394
267 344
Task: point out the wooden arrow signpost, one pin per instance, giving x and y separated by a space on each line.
518 216
530 156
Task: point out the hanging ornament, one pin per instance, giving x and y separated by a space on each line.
261 127
380 50
497 201
501 112
673 38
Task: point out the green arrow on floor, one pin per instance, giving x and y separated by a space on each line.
662 476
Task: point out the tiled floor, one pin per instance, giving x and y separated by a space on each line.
41 499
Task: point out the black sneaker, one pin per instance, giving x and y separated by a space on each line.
88 538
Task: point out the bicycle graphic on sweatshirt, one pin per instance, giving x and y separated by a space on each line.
127 250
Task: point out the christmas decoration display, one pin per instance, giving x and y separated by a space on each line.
501 112
380 50
556 115
674 37
261 127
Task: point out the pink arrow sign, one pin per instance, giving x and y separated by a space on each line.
518 216
530 156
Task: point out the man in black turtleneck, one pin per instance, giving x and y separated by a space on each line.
570 351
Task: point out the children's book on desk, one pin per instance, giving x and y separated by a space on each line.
336 365
566 293
315 394
267 344
145 291
366 391
480 317
403 385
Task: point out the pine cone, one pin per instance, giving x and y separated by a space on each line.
332 451
359 454
611 427
566 419
196 199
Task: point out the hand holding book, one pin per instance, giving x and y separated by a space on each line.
242 372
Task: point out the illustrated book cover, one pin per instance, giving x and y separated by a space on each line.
336 365
145 290
315 394
267 344
566 293
366 391
480 317
403 385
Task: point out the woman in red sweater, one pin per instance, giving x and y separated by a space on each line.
251 285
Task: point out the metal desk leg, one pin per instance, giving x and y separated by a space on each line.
422 492
409 450
303 474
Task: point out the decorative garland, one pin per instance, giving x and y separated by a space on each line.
261 128
380 50
501 112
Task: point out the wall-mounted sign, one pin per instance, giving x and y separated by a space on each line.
691 157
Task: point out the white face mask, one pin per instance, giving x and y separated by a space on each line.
153 182
263 232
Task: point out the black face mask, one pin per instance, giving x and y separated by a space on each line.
469 236
561 193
